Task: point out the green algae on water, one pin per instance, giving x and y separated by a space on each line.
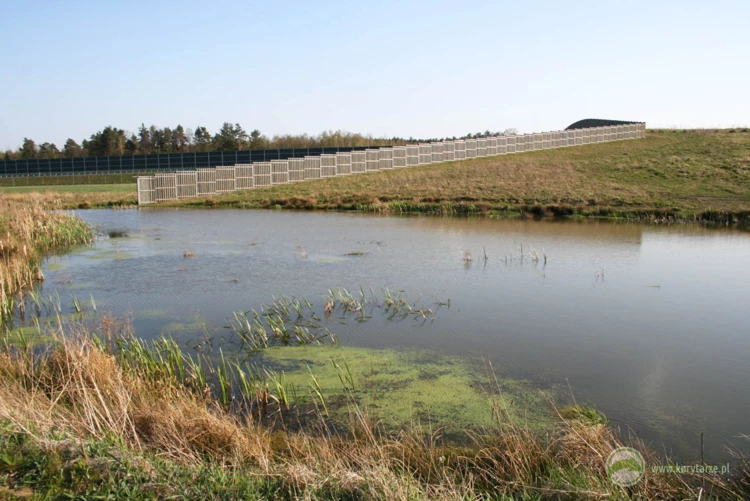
403 388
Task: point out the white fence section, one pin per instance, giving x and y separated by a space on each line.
491 146
460 146
437 152
425 153
399 157
471 148
372 160
165 185
279 172
359 162
296 170
328 166
386 158
243 176
312 168
262 174
343 164
412 155
224 179
146 193
448 151
187 184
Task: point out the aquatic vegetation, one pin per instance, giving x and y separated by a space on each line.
27 232
403 388
294 322
585 414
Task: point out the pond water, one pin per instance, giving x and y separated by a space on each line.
650 324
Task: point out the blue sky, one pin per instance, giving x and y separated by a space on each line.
421 69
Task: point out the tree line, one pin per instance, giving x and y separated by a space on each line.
111 141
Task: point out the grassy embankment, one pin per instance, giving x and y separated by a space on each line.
670 175
100 413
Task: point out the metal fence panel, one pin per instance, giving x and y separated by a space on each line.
412 155
261 174
399 157
243 177
491 146
449 151
502 145
343 163
296 169
146 193
225 179
206 181
481 147
165 185
386 158
328 165
436 150
279 172
372 160
312 167
187 184
425 153
459 149
359 162
471 148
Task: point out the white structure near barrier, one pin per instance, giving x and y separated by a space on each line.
328 165
224 179
343 163
372 160
399 157
386 158
279 172
359 162
261 174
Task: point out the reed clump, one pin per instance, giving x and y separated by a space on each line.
29 231
100 412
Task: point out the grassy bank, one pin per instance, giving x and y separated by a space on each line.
671 175
28 231
127 419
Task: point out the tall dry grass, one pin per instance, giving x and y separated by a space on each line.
28 231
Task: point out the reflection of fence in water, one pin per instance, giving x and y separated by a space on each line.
224 179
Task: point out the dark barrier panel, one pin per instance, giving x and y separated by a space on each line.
162 162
